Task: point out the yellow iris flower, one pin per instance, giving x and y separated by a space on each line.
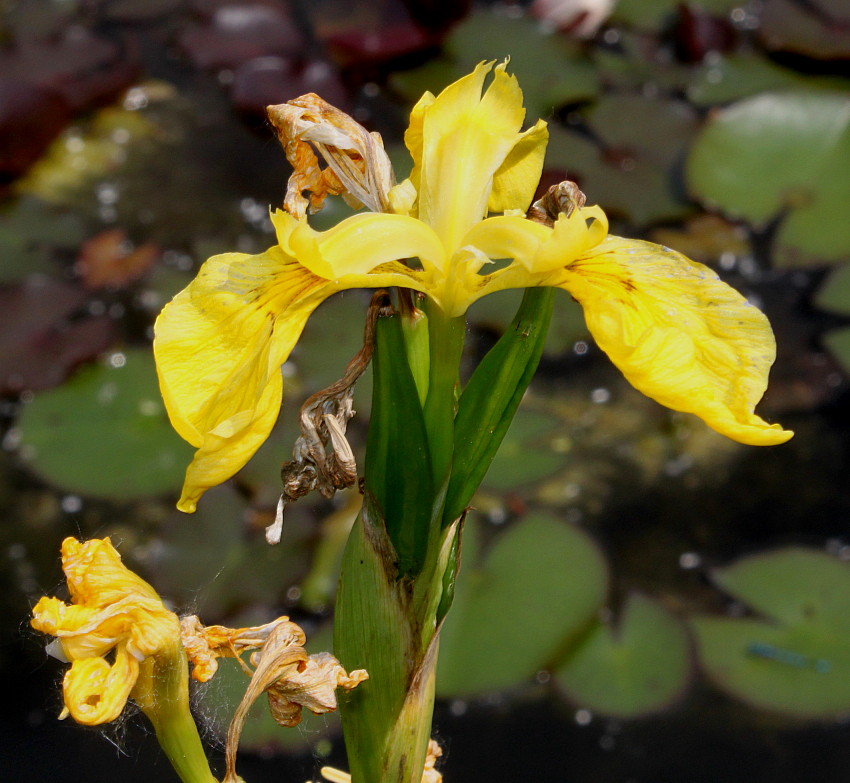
114 614
677 332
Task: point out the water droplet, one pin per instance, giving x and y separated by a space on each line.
117 359
293 593
583 717
458 707
600 396
689 560
580 348
71 504
542 677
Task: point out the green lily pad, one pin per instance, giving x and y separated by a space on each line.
567 326
551 70
105 432
639 666
653 14
540 585
525 455
834 294
837 342
739 76
781 152
630 168
816 28
795 657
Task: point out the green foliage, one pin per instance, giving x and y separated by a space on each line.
794 655
492 396
105 433
516 608
525 456
638 665
397 452
628 167
551 69
781 152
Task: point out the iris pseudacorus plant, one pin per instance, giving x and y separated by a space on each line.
677 332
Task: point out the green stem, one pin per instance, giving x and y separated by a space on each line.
162 692
446 336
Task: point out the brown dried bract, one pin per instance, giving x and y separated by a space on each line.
563 198
291 678
358 168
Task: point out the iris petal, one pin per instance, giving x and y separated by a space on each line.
95 691
679 334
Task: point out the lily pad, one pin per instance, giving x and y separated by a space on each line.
552 70
567 326
631 167
525 455
794 657
781 153
834 294
654 14
105 432
738 76
816 28
540 584
639 666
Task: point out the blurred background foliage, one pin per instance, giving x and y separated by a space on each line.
640 599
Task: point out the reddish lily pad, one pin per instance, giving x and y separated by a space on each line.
794 655
639 666
44 334
781 153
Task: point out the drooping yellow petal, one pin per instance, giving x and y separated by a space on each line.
96 691
678 333
466 138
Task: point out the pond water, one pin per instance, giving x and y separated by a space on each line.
134 147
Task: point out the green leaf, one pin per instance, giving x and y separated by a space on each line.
552 70
781 152
629 168
640 665
105 433
653 14
493 394
837 342
525 455
834 294
398 462
795 658
738 76
539 586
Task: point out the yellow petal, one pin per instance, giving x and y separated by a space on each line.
678 334
516 180
95 692
97 577
362 242
572 237
219 346
466 138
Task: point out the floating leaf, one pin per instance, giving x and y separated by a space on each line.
737 76
641 665
105 432
495 312
540 584
525 455
834 294
44 335
778 152
630 170
816 28
795 658
552 70
653 14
